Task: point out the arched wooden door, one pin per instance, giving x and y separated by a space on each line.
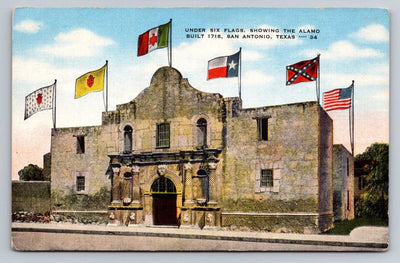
164 202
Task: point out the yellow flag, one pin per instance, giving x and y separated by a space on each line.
91 81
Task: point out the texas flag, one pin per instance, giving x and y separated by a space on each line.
224 67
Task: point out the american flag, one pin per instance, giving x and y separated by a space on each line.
338 99
41 99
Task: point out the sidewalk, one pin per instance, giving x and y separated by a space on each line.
362 237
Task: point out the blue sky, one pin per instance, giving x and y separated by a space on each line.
63 44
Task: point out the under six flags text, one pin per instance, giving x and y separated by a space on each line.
252 33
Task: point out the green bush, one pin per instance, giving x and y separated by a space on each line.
73 201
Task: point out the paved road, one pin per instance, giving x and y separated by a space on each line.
47 237
83 242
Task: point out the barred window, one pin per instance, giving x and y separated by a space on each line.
80 183
267 178
163 134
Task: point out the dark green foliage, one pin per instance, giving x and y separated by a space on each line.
251 205
98 201
32 172
374 202
294 223
346 226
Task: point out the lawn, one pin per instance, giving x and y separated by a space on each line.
346 226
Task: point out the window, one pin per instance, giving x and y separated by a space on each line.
163 134
80 183
127 139
348 200
361 182
202 133
348 167
163 185
262 126
80 144
266 178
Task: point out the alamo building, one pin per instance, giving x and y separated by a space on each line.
178 156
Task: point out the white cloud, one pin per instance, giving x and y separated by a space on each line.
77 43
257 78
28 26
343 50
373 33
360 79
37 72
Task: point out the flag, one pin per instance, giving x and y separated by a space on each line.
41 99
302 71
224 67
91 81
338 99
153 39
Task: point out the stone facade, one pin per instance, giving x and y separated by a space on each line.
343 183
210 162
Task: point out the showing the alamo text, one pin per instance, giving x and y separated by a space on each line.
177 156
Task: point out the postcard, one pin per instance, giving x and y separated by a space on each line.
239 129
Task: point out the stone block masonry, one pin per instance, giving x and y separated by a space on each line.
177 155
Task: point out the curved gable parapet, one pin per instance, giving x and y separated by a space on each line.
166 75
170 95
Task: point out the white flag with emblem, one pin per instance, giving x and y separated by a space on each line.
41 99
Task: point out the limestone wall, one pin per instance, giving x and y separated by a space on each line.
31 196
325 125
67 164
297 150
343 183
171 99
291 151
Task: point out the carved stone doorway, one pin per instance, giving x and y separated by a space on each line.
164 202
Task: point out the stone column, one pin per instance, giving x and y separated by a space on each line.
136 185
212 177
188 184
116 188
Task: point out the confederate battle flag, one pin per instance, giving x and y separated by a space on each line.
302 71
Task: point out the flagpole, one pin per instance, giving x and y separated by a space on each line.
170 43
352 119
240 73
54 104
317 83
107 86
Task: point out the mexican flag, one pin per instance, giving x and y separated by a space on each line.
153 39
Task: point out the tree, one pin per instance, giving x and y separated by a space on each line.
374 202
32 172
